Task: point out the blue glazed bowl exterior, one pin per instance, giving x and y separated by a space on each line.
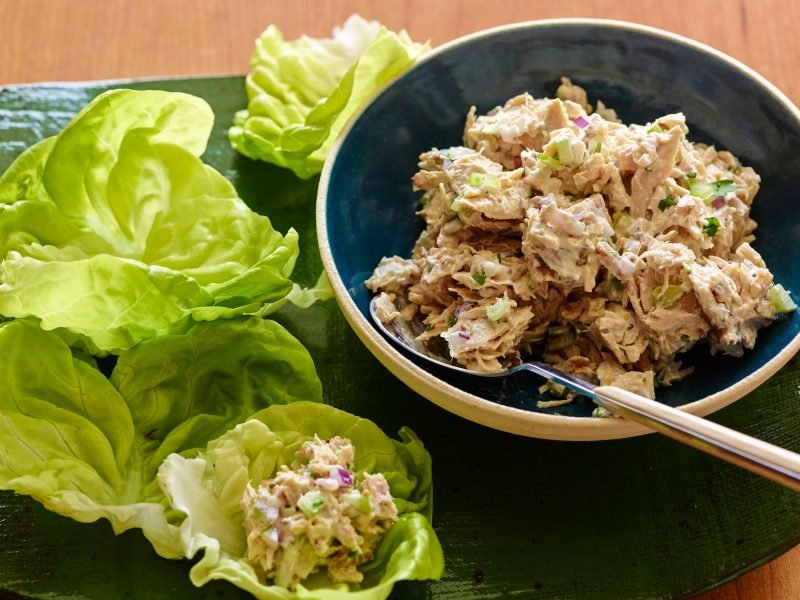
369 205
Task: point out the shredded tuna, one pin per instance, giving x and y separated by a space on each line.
613 248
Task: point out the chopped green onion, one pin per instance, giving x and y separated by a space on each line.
564 151
738 168
711 227
429 327
598 147
665 203
550 161
655 128
311 503
558 391
358 501
451 320
479 277
425 199
498 310
667 295
781 300
484 179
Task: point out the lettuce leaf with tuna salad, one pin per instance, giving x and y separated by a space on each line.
301 93
209 489
114 231
89 447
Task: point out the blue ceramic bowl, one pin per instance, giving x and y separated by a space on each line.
366 205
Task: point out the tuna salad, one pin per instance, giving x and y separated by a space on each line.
605 249
318 513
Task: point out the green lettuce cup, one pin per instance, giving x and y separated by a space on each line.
208 490
301 93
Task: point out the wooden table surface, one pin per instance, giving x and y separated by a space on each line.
66 40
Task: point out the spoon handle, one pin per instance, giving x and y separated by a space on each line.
757 456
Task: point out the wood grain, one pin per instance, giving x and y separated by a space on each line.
64 40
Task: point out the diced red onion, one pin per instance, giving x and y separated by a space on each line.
461 308
463 335
342 476
581 122
517 162
275 535
446 163
270 513
718 202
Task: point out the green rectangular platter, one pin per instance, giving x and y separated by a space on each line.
642 518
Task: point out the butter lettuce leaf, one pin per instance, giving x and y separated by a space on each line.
208 489
89 447
114 231
301 93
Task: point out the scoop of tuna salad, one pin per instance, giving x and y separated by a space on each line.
605 249
317 514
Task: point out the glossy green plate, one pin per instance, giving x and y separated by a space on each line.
517 517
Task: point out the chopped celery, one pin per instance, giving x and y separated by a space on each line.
666 295
311 503
358 501
564 151
781 300
704 191
622 221
484 180
708 191
498 310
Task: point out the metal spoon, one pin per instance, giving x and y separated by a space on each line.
757 456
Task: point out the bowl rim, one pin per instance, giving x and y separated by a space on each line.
487 412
